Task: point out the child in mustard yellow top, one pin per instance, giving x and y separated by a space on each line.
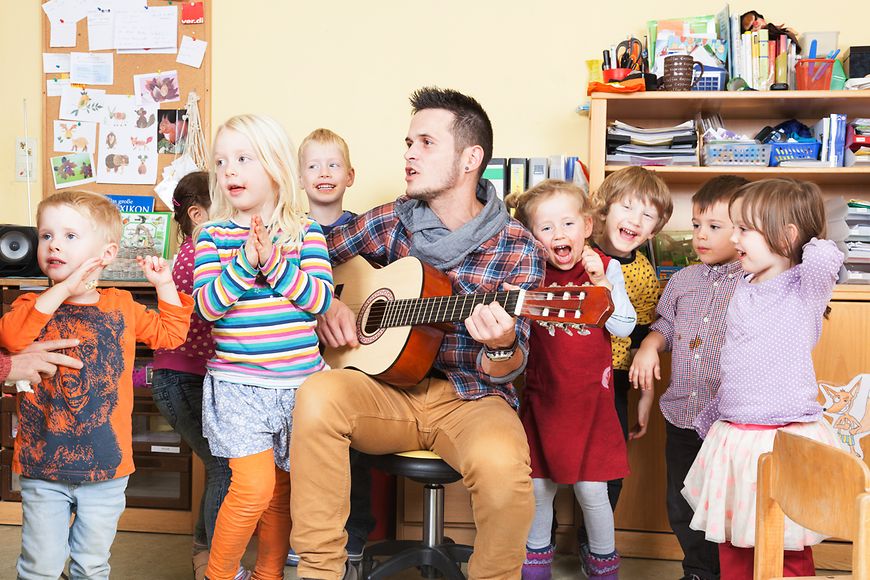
636 204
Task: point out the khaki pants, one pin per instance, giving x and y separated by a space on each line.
482 439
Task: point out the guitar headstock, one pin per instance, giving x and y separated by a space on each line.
568 307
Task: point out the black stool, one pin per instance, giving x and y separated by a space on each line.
435 555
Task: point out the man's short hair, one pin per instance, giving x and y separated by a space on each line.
471 124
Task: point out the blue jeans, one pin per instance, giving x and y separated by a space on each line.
178 396
48 539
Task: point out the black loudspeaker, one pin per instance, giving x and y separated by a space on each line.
18 252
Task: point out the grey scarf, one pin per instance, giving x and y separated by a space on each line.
436 245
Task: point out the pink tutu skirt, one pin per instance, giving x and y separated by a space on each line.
720 485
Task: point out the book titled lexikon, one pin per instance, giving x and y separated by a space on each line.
133 203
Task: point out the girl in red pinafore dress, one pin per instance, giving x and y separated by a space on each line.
568 413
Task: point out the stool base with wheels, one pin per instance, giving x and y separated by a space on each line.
435 555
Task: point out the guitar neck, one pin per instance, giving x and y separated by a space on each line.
439 309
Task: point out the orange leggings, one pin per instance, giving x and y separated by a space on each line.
259 492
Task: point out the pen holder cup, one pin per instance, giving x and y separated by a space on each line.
613 75
814 74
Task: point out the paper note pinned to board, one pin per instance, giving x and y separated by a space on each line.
55 62
92 68
153 27
68 11
101 30
192 51
63 34
54 86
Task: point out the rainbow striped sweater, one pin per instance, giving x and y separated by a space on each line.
263 317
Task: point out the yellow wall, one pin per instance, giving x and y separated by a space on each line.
351 65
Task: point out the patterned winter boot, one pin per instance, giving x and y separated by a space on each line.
597 566
538 564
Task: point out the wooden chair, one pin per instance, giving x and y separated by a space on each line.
821 488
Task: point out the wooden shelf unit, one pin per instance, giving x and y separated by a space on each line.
744 112
641 518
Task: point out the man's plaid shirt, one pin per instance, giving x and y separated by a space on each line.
512 256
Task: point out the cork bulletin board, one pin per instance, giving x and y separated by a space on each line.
139 134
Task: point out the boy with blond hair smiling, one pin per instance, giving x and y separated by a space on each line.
325 173
74 444
635 205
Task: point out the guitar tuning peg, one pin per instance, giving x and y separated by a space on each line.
551 328
566 328
580 328
570 284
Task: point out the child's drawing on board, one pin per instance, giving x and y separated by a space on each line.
846 408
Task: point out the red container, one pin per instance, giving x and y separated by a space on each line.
617 74
814 74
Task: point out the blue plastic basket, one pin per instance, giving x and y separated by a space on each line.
780 152
736 153
713 79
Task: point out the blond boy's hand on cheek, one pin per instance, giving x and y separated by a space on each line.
81 280
594 266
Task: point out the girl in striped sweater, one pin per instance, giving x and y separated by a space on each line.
261 275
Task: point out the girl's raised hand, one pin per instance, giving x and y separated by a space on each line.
252 252
156 270
264 241
594 266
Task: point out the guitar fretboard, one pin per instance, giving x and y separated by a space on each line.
440 309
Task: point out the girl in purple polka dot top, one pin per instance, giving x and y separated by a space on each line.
178 373
768 382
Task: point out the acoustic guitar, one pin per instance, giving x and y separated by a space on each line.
403 310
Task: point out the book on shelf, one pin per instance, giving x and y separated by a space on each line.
517 169
496 173
538 170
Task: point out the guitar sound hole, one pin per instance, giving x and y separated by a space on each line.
375 318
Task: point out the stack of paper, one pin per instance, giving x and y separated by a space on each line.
858 243
630 145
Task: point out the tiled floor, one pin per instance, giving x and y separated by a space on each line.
167 557
137 556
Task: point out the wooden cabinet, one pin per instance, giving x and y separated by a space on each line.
844 348
167 475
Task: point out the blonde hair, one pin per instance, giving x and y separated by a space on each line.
325 137
634 182
277 156
770 206
524 203
104 214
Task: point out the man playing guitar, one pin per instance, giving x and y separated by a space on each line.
465 409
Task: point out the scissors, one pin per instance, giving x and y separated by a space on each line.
628 53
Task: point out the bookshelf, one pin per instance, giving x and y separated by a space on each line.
641 517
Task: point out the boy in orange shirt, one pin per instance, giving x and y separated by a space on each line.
74 445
